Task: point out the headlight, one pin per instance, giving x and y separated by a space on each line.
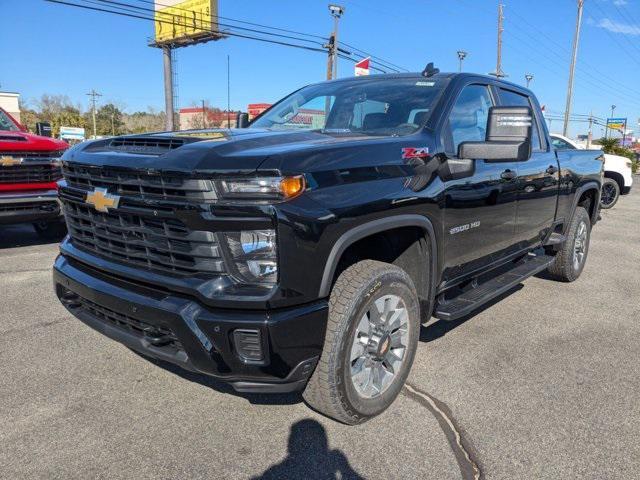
629 164
262 188
254 255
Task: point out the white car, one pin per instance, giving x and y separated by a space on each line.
617 171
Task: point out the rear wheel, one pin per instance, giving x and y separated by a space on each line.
371 339
570 260
610 193
50 230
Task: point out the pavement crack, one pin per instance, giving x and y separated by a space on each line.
469 467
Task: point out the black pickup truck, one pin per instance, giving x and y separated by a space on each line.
305 251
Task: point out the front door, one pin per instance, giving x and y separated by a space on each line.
480 211
538 178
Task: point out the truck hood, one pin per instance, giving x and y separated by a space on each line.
28 142
237 150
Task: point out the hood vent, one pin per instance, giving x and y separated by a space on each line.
13 138
145 145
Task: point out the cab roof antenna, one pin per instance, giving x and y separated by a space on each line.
430 70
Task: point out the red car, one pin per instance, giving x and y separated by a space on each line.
29 172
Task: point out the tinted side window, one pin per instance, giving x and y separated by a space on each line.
469 116
513 99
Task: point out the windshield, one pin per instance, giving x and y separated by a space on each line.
385 106
6 123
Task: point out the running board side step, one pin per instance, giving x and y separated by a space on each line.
470 300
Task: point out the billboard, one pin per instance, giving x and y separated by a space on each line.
183 21
617 123
72 133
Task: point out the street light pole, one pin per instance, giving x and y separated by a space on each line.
572 71
332 66
461 56
528 77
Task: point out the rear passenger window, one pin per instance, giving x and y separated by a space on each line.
513 99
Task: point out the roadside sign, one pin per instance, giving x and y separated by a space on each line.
362 67
617 123
72 133
185 20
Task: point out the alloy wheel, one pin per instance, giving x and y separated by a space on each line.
379 345
580 245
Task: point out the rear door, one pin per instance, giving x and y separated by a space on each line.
480 211
538 177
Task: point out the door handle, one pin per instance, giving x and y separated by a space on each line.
551 170
508 175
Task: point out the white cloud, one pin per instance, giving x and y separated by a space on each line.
619 3
618 27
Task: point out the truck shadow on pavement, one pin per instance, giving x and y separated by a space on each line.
439 328
309 457
22 235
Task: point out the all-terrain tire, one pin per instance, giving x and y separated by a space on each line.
610 193
565 267
331 390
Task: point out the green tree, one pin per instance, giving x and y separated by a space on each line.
109 121
59 111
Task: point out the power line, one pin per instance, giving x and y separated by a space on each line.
229 33
612 37
585 69
382 62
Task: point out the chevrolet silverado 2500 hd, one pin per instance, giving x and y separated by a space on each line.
304 252
29 170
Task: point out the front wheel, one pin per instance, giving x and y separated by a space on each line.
610 193
371 340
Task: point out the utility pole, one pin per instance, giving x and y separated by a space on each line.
461 56
590 133
499 73
572 71
93 94
332 46
113 125
528 77
204 116
613 109
228 91
168 88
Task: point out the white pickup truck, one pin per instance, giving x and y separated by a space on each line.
617 171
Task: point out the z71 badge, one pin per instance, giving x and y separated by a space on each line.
411 152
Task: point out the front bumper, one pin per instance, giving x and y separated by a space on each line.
29 206
182 331
628 182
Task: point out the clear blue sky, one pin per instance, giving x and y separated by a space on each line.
50 48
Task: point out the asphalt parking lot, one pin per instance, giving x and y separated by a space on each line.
543 384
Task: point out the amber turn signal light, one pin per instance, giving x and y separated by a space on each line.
292 186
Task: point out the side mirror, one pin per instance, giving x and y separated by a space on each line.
509 132
242 120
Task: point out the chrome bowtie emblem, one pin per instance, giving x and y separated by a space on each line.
102 200
10 161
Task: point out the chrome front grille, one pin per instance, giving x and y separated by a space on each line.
30 173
